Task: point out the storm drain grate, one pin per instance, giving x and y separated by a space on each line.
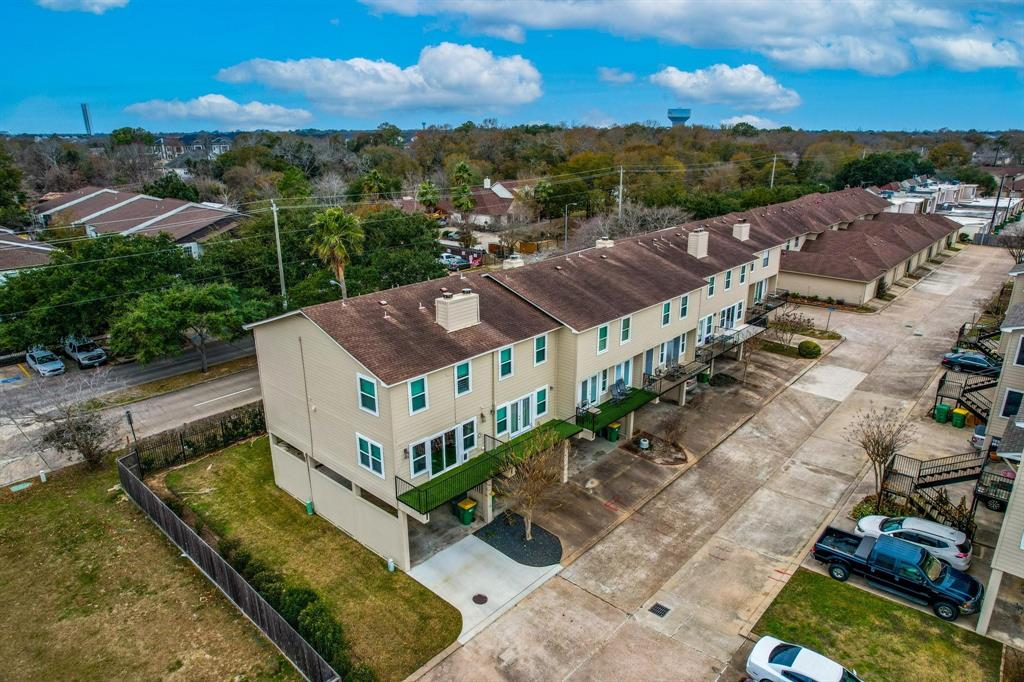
659 610
479 598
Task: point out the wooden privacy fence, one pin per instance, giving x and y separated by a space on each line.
200 437
305 659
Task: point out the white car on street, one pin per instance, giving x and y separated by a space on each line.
944 543
773 660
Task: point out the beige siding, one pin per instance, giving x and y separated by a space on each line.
382 532
1017 293
1008 555
1011 377
824 287
290 472
565 375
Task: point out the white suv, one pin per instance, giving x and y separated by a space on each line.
945 543
773 660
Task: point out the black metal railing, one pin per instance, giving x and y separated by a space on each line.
663 381
759 310
951 469
914 480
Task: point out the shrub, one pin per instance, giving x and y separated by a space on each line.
840 301
228 547
866 507
323 632
830 300
294 600
808 349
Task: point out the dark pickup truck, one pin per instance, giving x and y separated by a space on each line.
897 566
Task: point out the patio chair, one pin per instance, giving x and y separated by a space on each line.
619 391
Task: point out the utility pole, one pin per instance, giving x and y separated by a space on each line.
771 184
620 194
999 193
280 264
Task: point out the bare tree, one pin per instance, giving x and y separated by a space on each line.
509 240
636 219
532 475
881 433
751 347
1013 242
58 413
787 322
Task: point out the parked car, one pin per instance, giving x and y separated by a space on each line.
971 362
773 660
453 262
44 362
899 567
84 351
945 543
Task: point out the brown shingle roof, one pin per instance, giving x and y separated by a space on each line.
16 253
134 214
193 223
64 198
486 203
868 248
408 342
87 207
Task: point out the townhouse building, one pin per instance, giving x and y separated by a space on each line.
384 407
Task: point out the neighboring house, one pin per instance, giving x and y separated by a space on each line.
167 148
1009 393
382 408
855 264
107 211
494 204
18 253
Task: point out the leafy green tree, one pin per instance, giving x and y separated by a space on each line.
881 168
985 181
427 195
122 137
462 200
293 184
12 198
171 186
744 129
337 236
86 285
159 323
949 154
541 195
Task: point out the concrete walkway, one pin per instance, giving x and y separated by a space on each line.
717 544
472 567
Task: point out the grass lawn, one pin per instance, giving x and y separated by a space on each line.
880 639
174 383
93 591
393 623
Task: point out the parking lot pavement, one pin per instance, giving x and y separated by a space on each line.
717 544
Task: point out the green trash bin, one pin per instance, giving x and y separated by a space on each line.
942 413
467 511
959 418
613 432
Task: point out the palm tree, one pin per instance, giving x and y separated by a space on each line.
428 195
373 184
462 174
337 236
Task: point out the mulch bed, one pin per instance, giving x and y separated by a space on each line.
660 451
506 533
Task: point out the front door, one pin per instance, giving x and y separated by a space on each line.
649 362
728 317
759 291
520 416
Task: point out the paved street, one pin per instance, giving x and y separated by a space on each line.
716 545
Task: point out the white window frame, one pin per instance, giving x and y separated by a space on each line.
462 438
765 258
625 330
536 401
497 419
602 328
426 396
1006 398
666 313
604 382
1020 347
540 337
705 331
511 363
469 378
359 394
359 459
743 274
728 280
684 306
711 286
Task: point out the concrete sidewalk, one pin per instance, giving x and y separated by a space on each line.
718 543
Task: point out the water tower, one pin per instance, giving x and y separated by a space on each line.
679 117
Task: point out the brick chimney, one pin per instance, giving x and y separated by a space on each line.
604 243
457 311
741 230
697 243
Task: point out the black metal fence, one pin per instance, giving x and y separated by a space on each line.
305 659
201 437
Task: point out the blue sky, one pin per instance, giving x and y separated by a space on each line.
188 65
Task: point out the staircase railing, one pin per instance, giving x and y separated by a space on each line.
915 480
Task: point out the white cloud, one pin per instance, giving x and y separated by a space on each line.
756 121
509 32
745 85
610 74
222 110
969 54
447 76
870 36
92 6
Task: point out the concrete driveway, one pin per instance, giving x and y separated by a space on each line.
717 544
